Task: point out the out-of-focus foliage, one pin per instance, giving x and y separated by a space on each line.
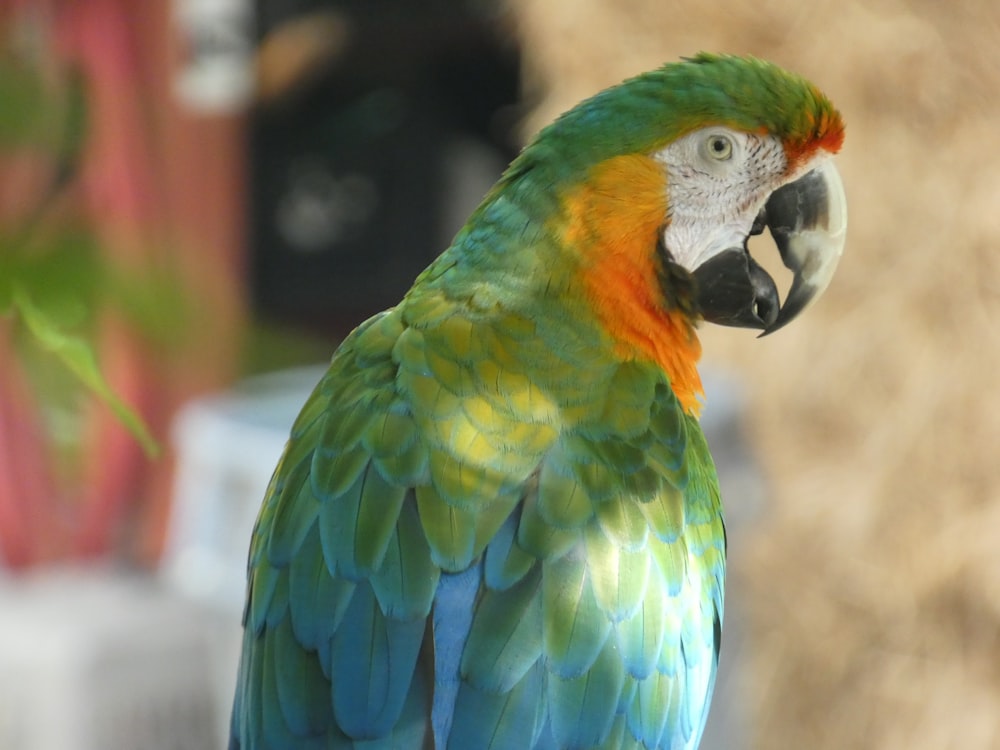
52 277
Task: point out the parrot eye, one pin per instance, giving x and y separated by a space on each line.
719 147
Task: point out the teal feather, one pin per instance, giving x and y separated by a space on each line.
302 688
390 433
311 420
646 717
379 507
506 562
540 539
671 658
247 711
504 639
629 687
574 347
263 582
276 732
295 512
317 600
491 518
375 658
574 628
345 428
300 445
409 467
413 728
583 708
702 495
338 520
598 480
335 473
405 583
497 721
617 738
664 512
344 393
622 522
618 574
630 391
562 502
660 459
278 607
672 561
450 531
624 457
640 637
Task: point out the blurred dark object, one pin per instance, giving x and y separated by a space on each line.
379 126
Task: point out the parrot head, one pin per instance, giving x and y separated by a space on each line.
729 146
747 171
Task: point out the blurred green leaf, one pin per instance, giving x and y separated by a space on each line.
52 272
75 120
22 118
61 271
46 118
155 301
74 353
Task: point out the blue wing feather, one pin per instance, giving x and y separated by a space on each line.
454 604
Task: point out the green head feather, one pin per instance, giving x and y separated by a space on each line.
647 112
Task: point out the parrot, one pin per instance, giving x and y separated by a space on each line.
496 522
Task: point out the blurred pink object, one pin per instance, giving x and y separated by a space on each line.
162 191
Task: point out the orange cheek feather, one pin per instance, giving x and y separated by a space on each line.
613 221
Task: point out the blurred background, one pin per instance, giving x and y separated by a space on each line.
198 195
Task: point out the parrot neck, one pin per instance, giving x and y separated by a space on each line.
614 219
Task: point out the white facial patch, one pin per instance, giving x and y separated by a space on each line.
717 181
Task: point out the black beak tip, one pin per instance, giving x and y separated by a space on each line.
766 305
733 290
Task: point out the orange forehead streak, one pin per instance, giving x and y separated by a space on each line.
825 132
612 221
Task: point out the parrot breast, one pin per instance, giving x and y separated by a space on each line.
614 219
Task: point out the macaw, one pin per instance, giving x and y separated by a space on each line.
496 523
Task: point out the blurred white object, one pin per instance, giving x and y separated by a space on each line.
216 72
94 660
227 448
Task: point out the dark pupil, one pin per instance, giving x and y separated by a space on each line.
719 145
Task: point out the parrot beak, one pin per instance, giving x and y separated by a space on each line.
808 221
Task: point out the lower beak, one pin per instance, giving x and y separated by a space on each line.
808 221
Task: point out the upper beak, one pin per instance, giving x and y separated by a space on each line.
808 221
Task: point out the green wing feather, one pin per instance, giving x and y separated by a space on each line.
599 541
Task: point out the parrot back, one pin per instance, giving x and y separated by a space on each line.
462 548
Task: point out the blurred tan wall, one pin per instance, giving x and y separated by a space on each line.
874 578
